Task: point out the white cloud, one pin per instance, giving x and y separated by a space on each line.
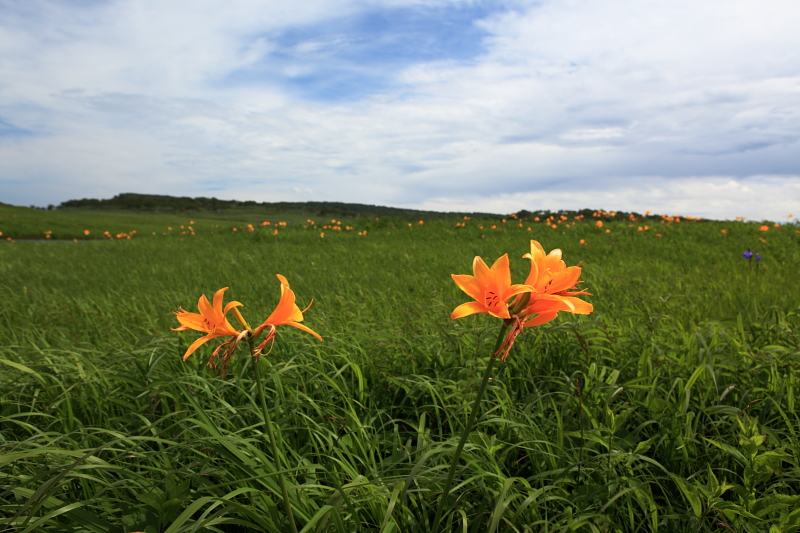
566 96
757 198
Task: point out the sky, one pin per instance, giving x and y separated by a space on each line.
678 107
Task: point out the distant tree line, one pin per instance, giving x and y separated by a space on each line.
162 203
154 202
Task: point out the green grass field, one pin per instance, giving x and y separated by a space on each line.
670 408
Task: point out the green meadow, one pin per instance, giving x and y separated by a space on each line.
672 407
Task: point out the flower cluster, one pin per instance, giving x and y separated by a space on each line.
212 321
545 293
749 254
550 288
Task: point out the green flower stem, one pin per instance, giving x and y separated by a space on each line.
467 430
275 452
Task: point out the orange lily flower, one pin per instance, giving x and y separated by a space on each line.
285 313
552 279
490 287
211 320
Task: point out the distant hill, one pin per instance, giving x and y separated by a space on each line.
162 203
166 204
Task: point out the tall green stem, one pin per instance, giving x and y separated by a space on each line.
275 451
476 405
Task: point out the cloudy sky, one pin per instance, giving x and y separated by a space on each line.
678 107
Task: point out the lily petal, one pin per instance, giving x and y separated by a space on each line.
469 308
564 280
196 344
553 261
304 328
581 307
218 299
540 319
481 271
501 271
469 284
231 305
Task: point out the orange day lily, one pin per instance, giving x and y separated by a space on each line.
552 279
285 313
539 300
211 320
491 289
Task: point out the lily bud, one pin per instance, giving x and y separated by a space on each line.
520 302
240 319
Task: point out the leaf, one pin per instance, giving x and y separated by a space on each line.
150 500
644 446
736 454
713 482
23 368
690 494
733 508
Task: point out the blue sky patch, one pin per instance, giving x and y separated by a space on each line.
10 130
350 58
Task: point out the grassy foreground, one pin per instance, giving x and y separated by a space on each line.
670 408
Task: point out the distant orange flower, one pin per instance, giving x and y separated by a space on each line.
421 222
275 232
762 240
583 242
658 235
211 320
723 231
86 232
764 228
598 224
608 231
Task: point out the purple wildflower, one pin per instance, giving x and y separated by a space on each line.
748 254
